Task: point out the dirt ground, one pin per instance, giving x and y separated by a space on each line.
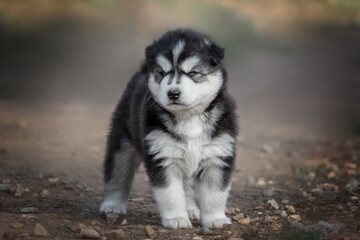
293 149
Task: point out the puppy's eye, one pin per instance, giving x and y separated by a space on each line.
163 73
192 73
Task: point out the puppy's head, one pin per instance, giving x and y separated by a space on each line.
185 70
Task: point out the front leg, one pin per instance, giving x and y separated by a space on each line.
214 186
192 209
170 199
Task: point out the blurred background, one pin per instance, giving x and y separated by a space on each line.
294 63
294 70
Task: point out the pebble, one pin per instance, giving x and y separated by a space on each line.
89 233
238 217
283 213
45 193
230 210
267 148
29 210
5 187
312 175
354 198
235 239
261 182
269 192
115 234
197 238
294 218
273 204
19 191
285 201
75 227
205 231
124 222
17 225
245 221
350 165
54 180
40 231
291 209
331 175
150 231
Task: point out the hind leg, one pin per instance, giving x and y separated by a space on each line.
118 184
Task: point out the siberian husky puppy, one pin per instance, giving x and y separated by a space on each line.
178 118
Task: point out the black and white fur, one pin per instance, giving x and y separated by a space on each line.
177 117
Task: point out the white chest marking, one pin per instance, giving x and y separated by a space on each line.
197 150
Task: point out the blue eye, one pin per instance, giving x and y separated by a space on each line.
192 73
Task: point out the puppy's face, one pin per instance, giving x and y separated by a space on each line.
184 71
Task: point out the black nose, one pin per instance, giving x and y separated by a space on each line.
174 94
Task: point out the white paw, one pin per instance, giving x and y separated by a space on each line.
111 206
175 223
216 222
194 213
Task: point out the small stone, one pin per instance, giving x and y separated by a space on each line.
273 204
205 231
197 238
317 191
150 231
54 180
19 191
40 231
238 217
350 165
235 239
329 187
5 187
124 222
230 210
245 221
285 201
304 194
291 209
267 148
269 192
82 226
17 225
294 218
311 175
261 182
74 227
331 175
354 198
29 210
162 231
283 213
115 234
89 233
45 193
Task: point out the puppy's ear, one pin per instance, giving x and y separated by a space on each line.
150 52
216 53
